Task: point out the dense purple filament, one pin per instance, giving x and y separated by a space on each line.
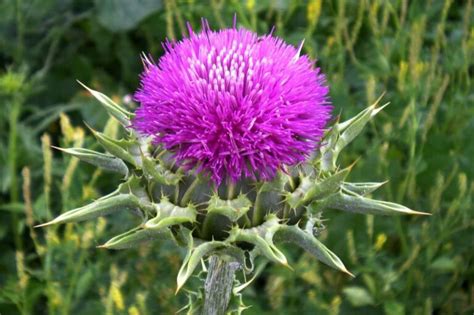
233 104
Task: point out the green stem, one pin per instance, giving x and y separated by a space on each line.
72 286
12 164
401 233
12 149
48 274
207 225
258 210
257 216
218 286
189 191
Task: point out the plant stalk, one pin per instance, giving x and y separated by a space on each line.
218 286
13 164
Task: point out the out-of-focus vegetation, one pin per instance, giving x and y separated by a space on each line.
420 53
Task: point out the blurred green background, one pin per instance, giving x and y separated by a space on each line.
420 53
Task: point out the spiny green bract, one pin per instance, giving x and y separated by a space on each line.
238 221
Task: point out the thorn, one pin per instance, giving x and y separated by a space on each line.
378 100
348 272
59 148
377 110
83 85
44 224
353 164
94 132
288 266
420 213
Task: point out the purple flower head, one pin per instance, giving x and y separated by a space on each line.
233 104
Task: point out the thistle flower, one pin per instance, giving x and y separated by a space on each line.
233 104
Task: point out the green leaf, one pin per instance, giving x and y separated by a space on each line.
104 161
115 110
298 197
262 238
118 148
233 209
329 184
327 156
305 240
134 186
135 237
100 207
308 190
361 188
360 204
124 15
153 169
238 255
358 296
351 128
193 258
343 133
85 281
444 264
169 214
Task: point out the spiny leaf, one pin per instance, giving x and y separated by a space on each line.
104 161
169 214
258 271
364 115
193 258
297 197
238 255
121 114
293 234
328 185
308 190
361 188
327 156
233 209
156 171
136 236
352 128
263 242
343 133
118 148
135 186
360 204
100 207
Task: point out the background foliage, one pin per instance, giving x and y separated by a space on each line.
420 53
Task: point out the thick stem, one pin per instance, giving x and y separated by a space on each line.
218 286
